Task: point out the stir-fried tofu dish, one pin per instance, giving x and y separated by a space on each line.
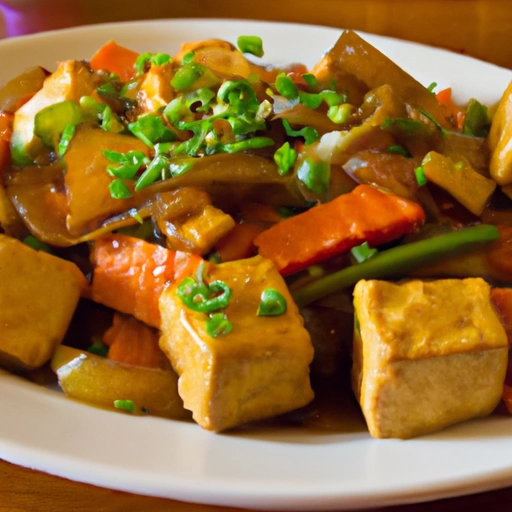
205 238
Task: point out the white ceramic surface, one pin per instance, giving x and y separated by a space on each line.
263 468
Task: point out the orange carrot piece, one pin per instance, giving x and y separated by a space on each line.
501 299
238 243
129 275
116 59
444 97
132 342
363 215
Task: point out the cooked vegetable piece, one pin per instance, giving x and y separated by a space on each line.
99 381
38 297
71 81
132 342
129 275
397 262
116 59
20 89
260 368
364 215
460 180
87 181
426 355
500 140
354 55
238 243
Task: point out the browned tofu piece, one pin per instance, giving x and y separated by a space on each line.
258 370
426 354
38 296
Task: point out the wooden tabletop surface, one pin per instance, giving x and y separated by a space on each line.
480 28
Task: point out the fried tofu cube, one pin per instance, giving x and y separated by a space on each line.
426 354
258 370
38 296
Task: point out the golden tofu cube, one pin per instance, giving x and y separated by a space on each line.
38 296
258 370
426 354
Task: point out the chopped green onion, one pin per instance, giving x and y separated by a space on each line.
136 215
400 125
253 143
431 87
141 62
218 325
118 190
125 405
396 149
197 296
36 244
332 98
284 158
188 57
251 44
340 114
363 252
432 119
421 179
285 212
272 303
310 79
150 129
129 163
152 173
315 175
187 76
179 169
215 258
159 59
397 261
310 134
476 123
310 100
65 139
98 347
285 87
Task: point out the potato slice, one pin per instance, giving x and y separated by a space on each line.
100 381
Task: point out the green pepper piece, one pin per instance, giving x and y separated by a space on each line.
51 121
397 261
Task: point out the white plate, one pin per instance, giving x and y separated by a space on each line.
272 469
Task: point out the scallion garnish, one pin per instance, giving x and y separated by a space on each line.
396 149
252 143
218 325
363 252
310 134
119 190
315 175
310 79
125 405
285 87
36 244
65 139
272 303
431 87
284 158
340 114
421 179
187 76
251 44
150 129
98 347
432 119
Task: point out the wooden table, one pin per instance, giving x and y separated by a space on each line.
480 28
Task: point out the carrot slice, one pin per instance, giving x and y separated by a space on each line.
116 59
129 275
363 215
132 342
